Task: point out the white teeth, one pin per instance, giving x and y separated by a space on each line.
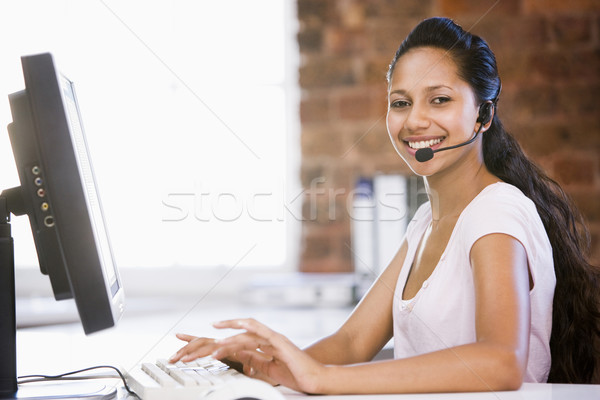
424 143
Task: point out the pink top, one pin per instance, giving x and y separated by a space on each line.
442 313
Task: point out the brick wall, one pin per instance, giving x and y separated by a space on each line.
548 53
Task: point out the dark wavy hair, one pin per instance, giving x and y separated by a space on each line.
576 309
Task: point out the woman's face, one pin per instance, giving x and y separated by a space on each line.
430 106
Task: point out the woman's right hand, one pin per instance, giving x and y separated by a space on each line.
196 347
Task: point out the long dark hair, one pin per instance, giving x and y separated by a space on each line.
576 313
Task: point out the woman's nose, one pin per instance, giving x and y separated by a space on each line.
417 119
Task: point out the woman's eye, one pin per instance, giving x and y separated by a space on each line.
441 100
399 104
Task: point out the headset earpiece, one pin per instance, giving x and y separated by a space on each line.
485 113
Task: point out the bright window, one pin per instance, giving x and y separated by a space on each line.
189 111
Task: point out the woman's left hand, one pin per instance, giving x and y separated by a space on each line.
269 355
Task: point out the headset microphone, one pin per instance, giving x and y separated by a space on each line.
426 154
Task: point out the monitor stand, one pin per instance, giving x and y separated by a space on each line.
11 202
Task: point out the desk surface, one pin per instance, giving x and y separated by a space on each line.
149 334
529 391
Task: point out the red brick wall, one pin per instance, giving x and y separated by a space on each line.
548 53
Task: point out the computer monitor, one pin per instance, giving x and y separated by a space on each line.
58 193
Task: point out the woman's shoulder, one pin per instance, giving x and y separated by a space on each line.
501 208
503 197
501 189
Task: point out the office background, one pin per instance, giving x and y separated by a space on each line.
548 54
549 57
322 64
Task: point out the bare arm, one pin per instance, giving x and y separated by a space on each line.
496 361
359 339
368 328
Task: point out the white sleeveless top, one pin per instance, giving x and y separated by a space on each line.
442 313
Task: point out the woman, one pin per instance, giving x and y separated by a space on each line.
491 285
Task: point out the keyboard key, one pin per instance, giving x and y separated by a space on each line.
158 374
195 380
183 377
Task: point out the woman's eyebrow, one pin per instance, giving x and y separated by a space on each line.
428 89
436 87
399 91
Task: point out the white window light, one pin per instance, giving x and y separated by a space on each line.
190 115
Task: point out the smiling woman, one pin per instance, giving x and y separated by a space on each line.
499 155
489 287
190 117
425 107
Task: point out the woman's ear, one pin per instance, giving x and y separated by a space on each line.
486 115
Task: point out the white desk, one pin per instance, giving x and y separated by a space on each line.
146 336
529 391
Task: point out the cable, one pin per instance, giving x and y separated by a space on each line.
66 376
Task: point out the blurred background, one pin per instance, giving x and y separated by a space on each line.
230 138
242 159
548 54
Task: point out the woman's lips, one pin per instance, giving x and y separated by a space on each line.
413 144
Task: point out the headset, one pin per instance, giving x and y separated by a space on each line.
485 115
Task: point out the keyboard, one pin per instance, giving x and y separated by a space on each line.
204 378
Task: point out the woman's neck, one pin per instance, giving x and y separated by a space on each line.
451 191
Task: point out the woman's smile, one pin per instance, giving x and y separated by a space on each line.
429 106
